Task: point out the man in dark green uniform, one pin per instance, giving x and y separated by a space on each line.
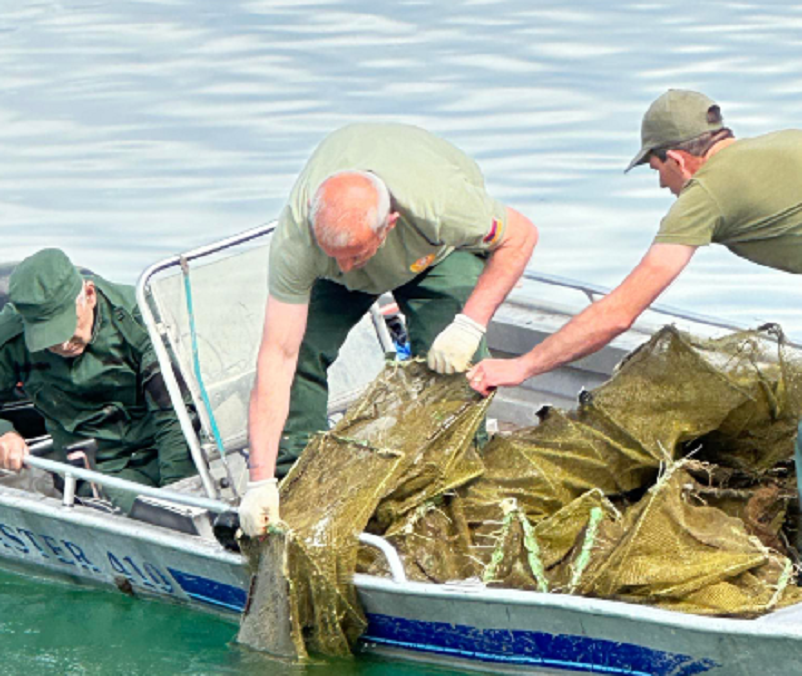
378 208
745 194
78 347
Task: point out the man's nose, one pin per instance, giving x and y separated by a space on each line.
345 264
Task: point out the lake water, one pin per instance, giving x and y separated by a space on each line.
52 629
131 130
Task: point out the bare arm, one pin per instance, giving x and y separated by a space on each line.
595 326
506 265
283 332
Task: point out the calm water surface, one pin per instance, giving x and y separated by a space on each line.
50 628
130 130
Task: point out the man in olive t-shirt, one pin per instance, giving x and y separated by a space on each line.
748 198
746 195
378 208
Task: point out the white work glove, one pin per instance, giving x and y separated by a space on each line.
259 507
454 348
12 450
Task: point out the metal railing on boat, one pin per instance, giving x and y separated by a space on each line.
593 292
73 474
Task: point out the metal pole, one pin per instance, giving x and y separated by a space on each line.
71 474
163 357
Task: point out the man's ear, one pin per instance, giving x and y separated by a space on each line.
688 164
91 293
678 156
392 218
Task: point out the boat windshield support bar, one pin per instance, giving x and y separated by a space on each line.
163 357
72 474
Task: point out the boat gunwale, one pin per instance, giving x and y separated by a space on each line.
118 525
749 627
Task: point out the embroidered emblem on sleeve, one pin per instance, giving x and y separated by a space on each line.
422 263
495 232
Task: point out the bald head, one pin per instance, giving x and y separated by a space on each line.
348 207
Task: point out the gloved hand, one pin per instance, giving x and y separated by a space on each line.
454 348
259 507
12 450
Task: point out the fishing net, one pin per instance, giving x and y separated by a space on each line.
667 485
673 551
405 442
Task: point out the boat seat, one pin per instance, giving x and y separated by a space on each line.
181 518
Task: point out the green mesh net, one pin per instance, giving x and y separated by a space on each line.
408 440
668 485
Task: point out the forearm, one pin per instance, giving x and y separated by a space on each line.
592 328
503 269
610 316
585 334
269 406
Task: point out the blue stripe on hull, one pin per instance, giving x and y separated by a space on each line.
511 647
530 648
210 591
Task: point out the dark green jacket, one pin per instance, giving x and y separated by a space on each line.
113 392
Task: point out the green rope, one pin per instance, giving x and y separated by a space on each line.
782 583
596 516
512 512
533 554
498 553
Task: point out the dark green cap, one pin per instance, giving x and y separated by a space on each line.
43 289
677 116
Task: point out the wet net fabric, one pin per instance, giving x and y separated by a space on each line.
734 401
405 442
674 551
667 485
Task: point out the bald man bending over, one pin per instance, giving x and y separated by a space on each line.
378 208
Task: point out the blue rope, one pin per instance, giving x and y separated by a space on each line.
196 361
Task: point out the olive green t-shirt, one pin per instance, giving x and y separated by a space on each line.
438 191
747 197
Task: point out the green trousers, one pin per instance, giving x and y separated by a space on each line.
429 303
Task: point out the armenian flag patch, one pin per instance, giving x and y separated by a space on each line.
495 232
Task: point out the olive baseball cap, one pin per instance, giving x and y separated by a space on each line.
677 116
43 289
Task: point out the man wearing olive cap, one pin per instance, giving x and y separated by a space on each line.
745 194
79 349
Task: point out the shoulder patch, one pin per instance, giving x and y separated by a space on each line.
422 263
494 233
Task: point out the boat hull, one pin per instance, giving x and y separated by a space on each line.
465 625
39 535
511 631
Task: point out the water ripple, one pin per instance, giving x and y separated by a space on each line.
133 129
